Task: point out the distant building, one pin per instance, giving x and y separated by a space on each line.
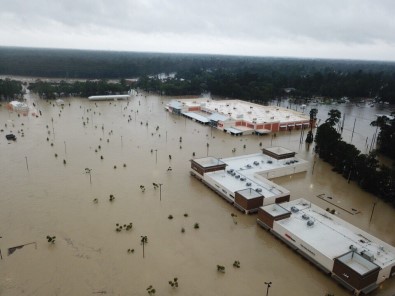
244 180
356 259
109 97
239 117
19 107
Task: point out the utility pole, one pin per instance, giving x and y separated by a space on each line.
374 205
27 166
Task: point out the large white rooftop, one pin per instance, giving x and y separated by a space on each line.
331 235
253 171
237 110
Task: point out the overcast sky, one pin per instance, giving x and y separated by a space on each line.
348 29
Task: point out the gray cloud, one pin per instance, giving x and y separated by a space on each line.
258 27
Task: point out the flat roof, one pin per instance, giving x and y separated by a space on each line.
331 235
242 110
108 97
275 210
196 116
249 193
233 130
218 117
358 263
253 169
278 150
175 104
208 161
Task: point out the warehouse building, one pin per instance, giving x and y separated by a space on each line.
244 180
239 117
356 259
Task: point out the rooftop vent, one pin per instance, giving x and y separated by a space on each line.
310 223
256 162
237 176
242 178
294 209
305 217
367 255
258 190
248 184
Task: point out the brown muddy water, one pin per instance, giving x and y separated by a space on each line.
90 258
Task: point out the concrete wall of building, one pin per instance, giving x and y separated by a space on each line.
248 204
285 171
304 247
351 277
386 273
218 187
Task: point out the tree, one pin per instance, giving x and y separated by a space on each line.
326 140
334 117
386 136
313 117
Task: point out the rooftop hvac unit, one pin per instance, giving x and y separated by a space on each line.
310 223
242 178
353 248
248 184
367 255
239 116
294 209
272 117
237 176
258 190
305 217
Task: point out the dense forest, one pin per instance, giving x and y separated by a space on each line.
89 64
50 90
261 86
10 89
250 78
347 160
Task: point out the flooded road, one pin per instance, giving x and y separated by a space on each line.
42 196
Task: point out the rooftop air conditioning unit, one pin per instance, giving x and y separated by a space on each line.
305 217
294 209
310 223
368 256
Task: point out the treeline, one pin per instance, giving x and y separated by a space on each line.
347 160
263 86
62 63
251 78
51 90
10 89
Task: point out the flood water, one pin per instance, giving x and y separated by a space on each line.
41 196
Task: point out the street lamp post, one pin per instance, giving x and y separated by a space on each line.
268 286
88 171
371 215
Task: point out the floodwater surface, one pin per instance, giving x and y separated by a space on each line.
40 196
